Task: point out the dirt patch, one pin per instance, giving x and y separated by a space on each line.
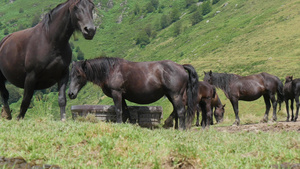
286 166
265 127
20 163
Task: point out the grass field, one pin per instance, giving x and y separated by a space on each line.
76 144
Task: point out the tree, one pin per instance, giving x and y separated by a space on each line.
174 15
136 9
215 1
21 10
177 28
165 21
142 39
189 3
149 8
148 30
155 3
206 8
196 17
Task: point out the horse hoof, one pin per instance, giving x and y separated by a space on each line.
264 121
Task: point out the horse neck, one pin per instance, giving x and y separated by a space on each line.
60 28
96 72
222 81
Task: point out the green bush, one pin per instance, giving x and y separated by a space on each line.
174 15
165 21
142 39
206 8
196 17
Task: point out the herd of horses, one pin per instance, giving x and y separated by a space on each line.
38 57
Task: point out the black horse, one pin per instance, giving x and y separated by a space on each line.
291 92
248 88
39 57
139 82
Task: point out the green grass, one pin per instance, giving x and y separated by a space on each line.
88 145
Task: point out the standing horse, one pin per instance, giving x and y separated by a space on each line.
289 95
291 92
39 57
206 95
248 88
139 82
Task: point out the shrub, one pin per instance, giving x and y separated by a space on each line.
80 55
174 15
35 20
206 8
21 10
165 21
215 1
177 28
189 3
142 39
196 17
136 9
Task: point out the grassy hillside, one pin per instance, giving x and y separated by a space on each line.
237 36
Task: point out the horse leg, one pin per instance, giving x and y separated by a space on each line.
6 113
208 112
126 113
297 106
169 121
197 122
62 101
268 106
274 104
28 93
117 98
235 105
204 115
180 109
292 108
287 109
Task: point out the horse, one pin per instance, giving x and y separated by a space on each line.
206 101
291 92
139 82
38 57
218 112
248 88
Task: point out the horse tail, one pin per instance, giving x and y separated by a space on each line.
192 93
280 95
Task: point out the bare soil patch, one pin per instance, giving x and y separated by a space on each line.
265 127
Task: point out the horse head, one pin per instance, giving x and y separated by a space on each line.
288 79
219 113
208 77
82 17
78 78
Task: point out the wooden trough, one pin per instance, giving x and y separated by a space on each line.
146 116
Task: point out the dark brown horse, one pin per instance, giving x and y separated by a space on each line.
139 82
39 57
291 91
218 112
206 96
248 88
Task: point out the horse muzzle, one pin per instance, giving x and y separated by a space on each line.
89 32
72 95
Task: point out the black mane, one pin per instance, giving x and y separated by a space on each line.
48 17
98 69
223 80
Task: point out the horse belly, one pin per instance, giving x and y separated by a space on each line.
143 98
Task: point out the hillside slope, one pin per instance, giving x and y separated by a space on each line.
237 36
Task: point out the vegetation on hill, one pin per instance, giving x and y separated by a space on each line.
234 36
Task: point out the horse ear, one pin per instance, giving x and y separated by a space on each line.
224 106
204 72
210 73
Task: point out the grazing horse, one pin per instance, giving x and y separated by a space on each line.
139 82
38 57
291 92
248 88
205 99
218 112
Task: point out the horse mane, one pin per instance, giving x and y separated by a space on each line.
98 69
223 80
